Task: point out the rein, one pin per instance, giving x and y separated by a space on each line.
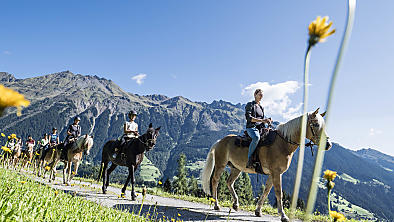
309 144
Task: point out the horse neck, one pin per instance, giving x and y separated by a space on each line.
140 145
291 131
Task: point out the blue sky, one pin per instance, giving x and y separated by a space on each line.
212 50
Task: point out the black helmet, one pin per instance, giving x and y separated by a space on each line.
54 128
132 112
45 134
77 118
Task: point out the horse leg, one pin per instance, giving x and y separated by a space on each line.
234 174
64 173
215 182
127 183
131 173
69 172
267 189
109 171
75 170
104 176
277 181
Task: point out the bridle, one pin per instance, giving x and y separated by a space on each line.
146 143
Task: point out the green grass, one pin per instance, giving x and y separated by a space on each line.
22 199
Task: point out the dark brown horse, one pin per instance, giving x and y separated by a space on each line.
133 154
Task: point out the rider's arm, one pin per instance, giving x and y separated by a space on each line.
125 129
57 140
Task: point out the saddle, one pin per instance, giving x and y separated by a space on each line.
267 138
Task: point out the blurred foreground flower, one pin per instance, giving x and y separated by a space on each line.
337 216
13 136
6 149
2 134
47 168
319 30
329 175
11 98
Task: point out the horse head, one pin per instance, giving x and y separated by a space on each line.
315 128
149 138
87 144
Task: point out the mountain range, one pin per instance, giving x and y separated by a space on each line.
363 189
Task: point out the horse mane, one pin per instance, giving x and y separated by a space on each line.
290 128
81 139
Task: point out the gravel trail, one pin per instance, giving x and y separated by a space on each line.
163 206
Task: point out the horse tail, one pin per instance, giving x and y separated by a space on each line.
208 169
100 171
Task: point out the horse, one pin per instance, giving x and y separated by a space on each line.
134 153
15 155
27 155
74 155
46 156
275 159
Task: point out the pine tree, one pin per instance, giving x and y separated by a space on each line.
223 192
193 187
180 183
244 190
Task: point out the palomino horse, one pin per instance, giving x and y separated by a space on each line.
134 153
74 155
275 159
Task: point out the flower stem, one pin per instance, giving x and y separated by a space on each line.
322 144
297 181
328 200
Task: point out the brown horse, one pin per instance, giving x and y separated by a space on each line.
275 159
46 156
74 155
27 155
15 155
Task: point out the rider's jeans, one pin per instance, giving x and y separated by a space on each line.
255 135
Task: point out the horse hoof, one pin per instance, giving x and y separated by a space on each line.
216 208
235 207
258 213
104 190
285 219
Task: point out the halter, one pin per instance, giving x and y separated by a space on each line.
146 143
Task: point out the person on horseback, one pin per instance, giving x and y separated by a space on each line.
30 142
73 132
53 138
44 142
255 121
130 130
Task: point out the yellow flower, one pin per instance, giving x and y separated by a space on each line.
319 30
13 136
9 137
56 192
337 216
37 154
9 97
22 182
179 214
160 183
212 200
6 149
47 168
73 173
72 184
329 175
172 219
2 134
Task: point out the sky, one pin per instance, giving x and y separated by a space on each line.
217 50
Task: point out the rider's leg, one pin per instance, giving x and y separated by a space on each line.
255 135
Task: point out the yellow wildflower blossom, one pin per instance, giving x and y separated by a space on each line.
319 30
329 175
2 134
37 154
160 183
9 98
212 200
56 192
179 214
337 216
6 149
22 182
13 136
47 168
74 173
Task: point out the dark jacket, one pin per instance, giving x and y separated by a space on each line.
250 111
75 131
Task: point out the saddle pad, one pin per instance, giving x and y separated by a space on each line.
264 141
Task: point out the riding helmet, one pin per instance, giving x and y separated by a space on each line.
132 112
77 118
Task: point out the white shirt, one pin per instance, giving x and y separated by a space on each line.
131 126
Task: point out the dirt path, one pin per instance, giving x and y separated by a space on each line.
168 207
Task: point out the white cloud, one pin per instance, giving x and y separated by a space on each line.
373 132
139 79
276 99
7 52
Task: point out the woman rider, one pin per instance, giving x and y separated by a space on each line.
255 121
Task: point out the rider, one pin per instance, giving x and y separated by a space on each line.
44 141
73 132
30 141
255 121
53 138
130 129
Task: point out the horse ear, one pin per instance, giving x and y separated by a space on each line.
150 125
157 129
323 114
317 111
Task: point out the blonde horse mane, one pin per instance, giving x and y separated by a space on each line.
88 143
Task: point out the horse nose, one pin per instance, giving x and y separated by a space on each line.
328 145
